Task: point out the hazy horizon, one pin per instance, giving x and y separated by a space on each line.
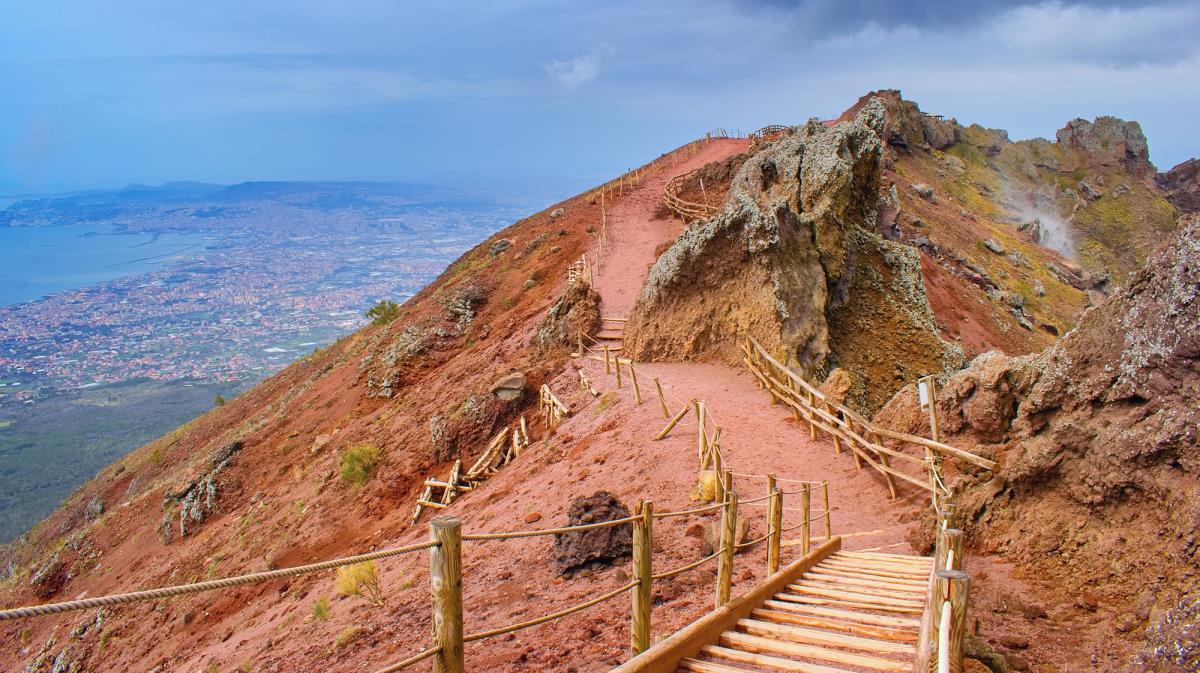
135 91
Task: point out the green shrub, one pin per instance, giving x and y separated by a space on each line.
219 401
384 312
359 463
321 608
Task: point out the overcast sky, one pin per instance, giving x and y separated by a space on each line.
99 94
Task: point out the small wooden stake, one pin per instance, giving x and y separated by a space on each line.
637 392
643 593
671 424
445 584
662 398
728 544
618 364
607 363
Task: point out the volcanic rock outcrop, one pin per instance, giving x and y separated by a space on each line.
1097 437
793 260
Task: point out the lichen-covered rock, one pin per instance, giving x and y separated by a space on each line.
1113 141
191 501
800 222
574 551
1097 437
577 311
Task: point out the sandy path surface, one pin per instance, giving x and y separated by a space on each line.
634 233
756 437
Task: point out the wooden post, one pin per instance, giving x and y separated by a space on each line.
637 391
607 364
953 587
579 337
662 398
774 525
665 431
837 443
701 435
617 362
812 420
825 496
643 594
445 584
728 544
724 478
806 525
950 554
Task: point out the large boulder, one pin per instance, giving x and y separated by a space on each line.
1110 141
1097 440
799 223
576 551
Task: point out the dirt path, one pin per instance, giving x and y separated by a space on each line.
634 233
756 437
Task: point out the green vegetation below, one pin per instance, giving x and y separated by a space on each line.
50 448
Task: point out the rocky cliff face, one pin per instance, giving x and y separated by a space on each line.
1098 441
1181 185
794 261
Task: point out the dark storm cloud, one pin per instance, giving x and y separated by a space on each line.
848 16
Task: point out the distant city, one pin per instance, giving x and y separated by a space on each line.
285 269
187 293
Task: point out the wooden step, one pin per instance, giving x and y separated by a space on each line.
759 645
826 571
889 621
903 566
855 596
919 588
806 636
698 666
613 336
865 630
614 319
927 560
873 591
866 570
844 603
763 661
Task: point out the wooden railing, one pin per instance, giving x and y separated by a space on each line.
940 644
767 134
847 428
686 210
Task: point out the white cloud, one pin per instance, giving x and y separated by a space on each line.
577 71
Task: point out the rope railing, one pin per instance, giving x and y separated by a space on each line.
547 531
550 617
684 568
416 658
197 587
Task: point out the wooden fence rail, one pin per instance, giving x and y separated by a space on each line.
850 429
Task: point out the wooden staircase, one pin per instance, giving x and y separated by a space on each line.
850 612
611 334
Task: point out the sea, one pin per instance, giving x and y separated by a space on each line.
39 261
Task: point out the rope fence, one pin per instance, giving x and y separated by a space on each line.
179 590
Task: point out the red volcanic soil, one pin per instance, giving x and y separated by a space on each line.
281 502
